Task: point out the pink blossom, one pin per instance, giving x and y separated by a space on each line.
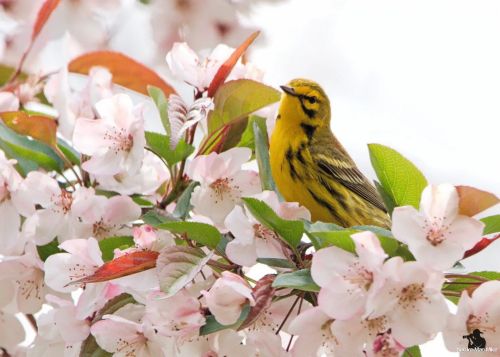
12 331
13 203
222 183
315 336
227 296
178 316
409 295
477 316
345 279
185 64
72 104
107 217
150 176
125 334
82 259
58 216
115 142
438 235
385 346
22 284
252 240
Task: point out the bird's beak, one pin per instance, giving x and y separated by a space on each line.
289 90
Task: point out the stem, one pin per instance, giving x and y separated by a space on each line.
68 163
31 319
466 276
222 266
463 283
287 315
291 336
451 293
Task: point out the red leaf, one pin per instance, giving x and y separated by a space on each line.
263 293
226 68
122 266
473 200
482 244
126 71
37 126
43 15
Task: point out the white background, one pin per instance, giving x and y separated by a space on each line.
420 76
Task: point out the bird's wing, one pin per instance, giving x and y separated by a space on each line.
337 165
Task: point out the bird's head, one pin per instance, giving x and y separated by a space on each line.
305 102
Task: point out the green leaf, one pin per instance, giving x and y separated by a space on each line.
388 200
276 262
401 180
342 239
247 137
202 233
413 351
31 153
262 156
377 230
154 218
177 266
159 144
141 201
109 245
71 154
237 99
300 280
212 326
491 224
161 103
45 251
183 205
290 231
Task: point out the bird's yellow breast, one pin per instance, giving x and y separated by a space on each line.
294 180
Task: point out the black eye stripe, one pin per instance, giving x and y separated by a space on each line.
312 99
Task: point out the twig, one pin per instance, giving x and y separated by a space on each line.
287 315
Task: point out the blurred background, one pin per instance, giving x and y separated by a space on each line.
422 77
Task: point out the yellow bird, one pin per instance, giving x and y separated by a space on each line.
310 166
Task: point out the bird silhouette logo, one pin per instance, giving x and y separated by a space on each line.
475 339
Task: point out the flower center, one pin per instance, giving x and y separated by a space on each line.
122 141
480 322
222 187
375 326
100 229
263 232
410 295
30 286
62 202
358 275
436 230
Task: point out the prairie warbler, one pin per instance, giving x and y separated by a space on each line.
310 166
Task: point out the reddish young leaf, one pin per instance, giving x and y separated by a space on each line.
39 127
43 15
126 71
226 68
122 266
473 200
482 244
263 293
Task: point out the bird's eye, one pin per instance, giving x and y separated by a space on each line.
312 100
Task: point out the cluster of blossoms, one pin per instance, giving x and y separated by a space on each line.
144 29
135 245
